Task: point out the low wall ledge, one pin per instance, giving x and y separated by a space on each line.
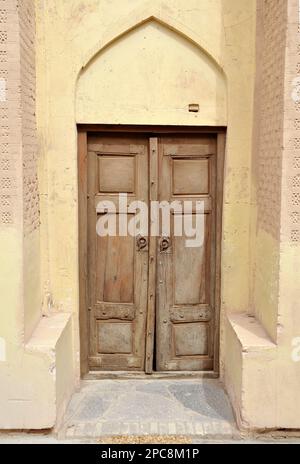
48 332
250 333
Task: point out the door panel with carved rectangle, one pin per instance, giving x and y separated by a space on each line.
118 267
186 275
152 294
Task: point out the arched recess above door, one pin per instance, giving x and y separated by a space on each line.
149 75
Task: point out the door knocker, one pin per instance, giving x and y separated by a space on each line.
165 244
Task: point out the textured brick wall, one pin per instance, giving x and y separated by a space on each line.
268 159
277 148
18 155
291 166
269 112
278 125
27 61
9 112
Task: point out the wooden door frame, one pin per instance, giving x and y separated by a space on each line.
149 131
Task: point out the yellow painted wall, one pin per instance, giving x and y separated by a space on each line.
143 62
134 46
31 283
266 281
149 76
28 371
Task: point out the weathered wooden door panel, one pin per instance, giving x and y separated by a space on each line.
159 297
185 290
118 268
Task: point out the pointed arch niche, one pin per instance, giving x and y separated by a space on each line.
150 75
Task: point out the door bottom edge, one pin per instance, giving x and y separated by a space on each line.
135 375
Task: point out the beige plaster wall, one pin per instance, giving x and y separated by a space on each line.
29 343
289 270
267 159
30 193
268 342
207 42
150 75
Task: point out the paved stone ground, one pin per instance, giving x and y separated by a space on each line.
28 439
148 411
51 439
108 408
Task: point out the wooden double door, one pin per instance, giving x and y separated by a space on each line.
151 296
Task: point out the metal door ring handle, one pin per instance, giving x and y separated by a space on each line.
141 242
165 244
